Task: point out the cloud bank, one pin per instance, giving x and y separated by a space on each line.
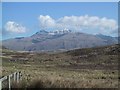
14 27
79 23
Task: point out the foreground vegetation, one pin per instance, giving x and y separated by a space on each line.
81 68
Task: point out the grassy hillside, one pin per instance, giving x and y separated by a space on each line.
89 67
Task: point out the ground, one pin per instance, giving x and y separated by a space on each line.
81 68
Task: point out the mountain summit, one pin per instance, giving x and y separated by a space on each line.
64 31
58 40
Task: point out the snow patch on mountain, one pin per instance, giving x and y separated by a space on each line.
56 32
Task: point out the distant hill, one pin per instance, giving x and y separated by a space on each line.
98 58
104 58
104 50
58 40
2 47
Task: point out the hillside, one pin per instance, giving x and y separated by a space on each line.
81 68
105 57
58 40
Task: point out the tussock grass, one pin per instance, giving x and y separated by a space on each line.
51 82
82 68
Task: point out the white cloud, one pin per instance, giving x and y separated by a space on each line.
14 27
46 21
79 23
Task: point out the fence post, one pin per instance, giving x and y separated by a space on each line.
9 85
0 84
20 76
14 76
17 77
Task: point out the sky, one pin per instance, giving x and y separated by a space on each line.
60 0
22 19
0 21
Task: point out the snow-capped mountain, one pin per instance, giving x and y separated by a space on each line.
57 40
64 31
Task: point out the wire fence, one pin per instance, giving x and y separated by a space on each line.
6 81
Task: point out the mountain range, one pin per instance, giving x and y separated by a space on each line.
58 40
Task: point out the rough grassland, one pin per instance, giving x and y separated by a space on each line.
81 68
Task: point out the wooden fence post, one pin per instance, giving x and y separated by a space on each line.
20 76
9 83
17 77
14 76
0 84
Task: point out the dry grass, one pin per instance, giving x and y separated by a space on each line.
64 70
60 82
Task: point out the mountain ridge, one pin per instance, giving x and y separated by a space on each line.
59 40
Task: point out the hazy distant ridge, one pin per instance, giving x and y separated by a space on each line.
58 40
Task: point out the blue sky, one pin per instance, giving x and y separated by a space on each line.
27 15
0 21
